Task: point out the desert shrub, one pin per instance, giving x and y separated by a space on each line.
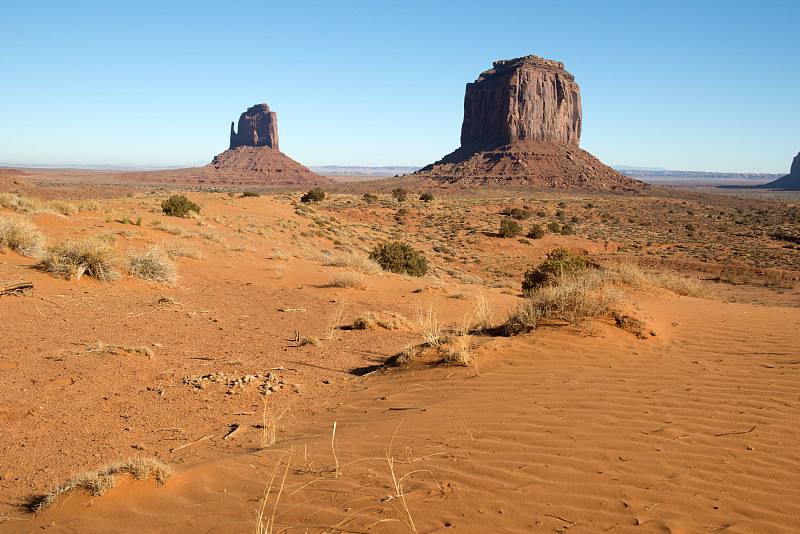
400 194
179 206
536 232
18 203
559 263
426 197
517 213
370 198
314 195
94 255
509 227
21 236
554 227
400 258
178 249
151 264
250 194
567 229
562 204
690 227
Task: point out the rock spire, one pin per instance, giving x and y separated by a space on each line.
258 126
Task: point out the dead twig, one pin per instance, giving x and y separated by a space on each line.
191 443
732 433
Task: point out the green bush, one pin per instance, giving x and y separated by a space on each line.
400 258
426 197
517 213
179 206
369 197
567 229
250 194
554 227
509 228
315 195
559 263
536 232
400 194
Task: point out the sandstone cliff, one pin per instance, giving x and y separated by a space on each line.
522 126
258 126
523 99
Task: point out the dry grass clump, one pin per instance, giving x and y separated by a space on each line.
104 348
348 279
177 249
573 299
688 287
429 327
94 255
169 228
152 264
385 319
407 355
354 261
21 236
460 350
63 207
105 478
18 203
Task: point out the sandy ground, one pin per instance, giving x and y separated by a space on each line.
561 430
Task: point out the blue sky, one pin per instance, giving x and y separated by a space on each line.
700 85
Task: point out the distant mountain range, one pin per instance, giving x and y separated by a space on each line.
659 174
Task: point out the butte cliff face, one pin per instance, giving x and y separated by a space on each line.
523 99
522 126
254 159
258 126
790 182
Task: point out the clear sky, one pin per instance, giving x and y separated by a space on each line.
690 85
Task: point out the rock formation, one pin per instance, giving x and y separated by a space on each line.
522 126
254 159
258 126
523 99
790 182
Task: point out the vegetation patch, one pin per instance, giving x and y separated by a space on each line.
559 263
152 264
21 236
400 258
315 195
179 206
94 255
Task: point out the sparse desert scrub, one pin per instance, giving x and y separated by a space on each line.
152 264
169 228
509 227
21 236
103 479
95 256
429 327
400 258
354 261
407 355
385 319
20 203
681 285
63 207
348 279
179 206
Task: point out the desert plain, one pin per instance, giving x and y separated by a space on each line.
280 381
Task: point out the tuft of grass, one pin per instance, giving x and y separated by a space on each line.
169 228
270 417
152 264
103 479
21 236
429 327
94 255
18 203
385 319
354 261
347 279
407 355
63 207
178 249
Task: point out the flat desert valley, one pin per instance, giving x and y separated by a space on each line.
263 374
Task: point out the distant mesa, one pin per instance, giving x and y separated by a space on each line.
790 182
254 158
522 126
